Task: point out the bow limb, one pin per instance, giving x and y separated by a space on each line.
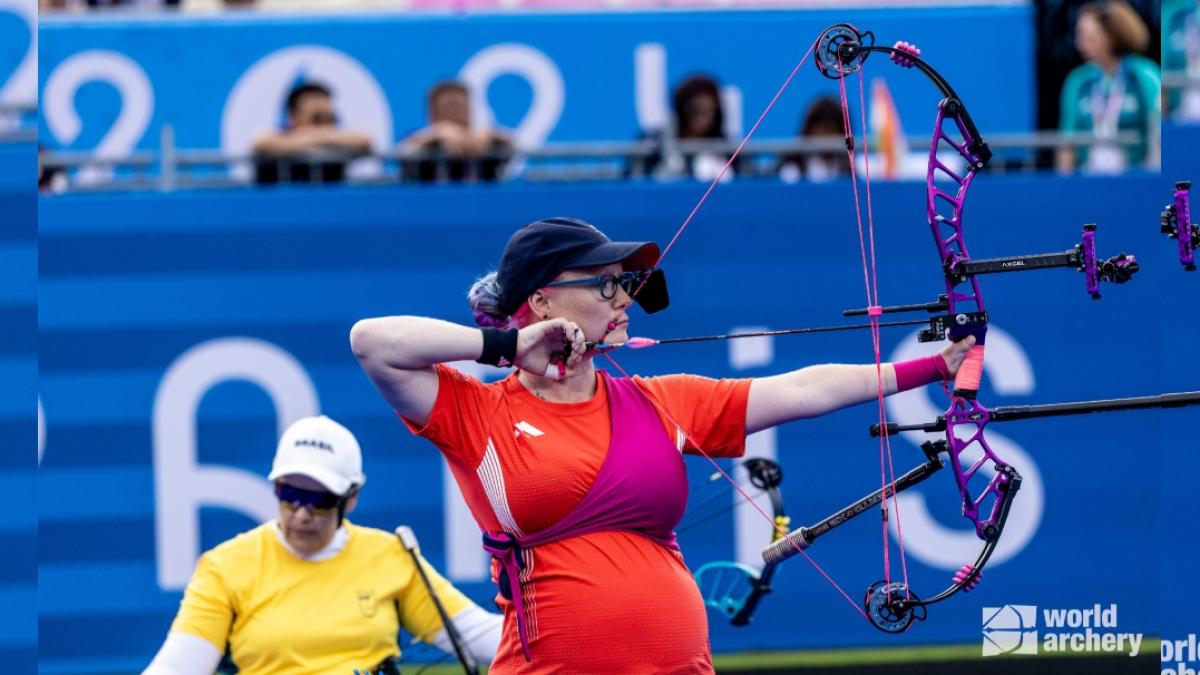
781 530
892 607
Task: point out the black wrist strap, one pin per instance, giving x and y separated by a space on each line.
499 347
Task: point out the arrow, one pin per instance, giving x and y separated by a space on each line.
643 342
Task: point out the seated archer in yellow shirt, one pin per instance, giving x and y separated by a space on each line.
311 592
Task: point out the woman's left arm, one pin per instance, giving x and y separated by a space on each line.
817 390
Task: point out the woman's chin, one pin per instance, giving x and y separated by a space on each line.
617 336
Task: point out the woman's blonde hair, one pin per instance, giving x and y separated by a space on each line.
484 298
1124 26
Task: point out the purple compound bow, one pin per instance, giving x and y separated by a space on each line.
841 50
892 606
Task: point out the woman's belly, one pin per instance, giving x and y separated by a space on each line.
608 602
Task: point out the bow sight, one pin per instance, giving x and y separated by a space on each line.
1177 224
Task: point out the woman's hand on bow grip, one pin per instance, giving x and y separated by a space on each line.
543 346
955 352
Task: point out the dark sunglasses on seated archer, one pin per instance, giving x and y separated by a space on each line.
317 500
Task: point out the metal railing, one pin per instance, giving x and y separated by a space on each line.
1185 87
18 123
79 9
171 168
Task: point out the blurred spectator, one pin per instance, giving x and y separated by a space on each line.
1181 55
823 119
453 151
217 5
56 5
699 116
311 149
51 179
1115 90
123 4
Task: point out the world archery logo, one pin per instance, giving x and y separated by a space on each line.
1011 629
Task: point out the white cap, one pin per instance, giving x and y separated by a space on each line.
321 449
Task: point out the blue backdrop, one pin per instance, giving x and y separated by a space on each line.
112 85
18 372
177 332
1180 547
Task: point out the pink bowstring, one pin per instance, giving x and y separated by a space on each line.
885 439
867 252
670 245
737 486
732 158
870 279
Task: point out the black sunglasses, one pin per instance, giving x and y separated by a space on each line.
319 501
608 283
323 119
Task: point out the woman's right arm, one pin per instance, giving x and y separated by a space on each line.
184 654
203 623
398 354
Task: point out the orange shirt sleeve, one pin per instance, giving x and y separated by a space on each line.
457 423
711 412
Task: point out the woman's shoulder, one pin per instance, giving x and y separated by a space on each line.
1143 67
372 536
1141 61
458 385
241 549
484 378
371 544
674 380
1084 72
689 388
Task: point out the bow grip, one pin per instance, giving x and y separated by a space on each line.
789 545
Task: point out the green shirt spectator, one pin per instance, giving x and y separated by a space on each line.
1107 104
1116 90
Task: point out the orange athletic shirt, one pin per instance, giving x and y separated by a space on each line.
607 602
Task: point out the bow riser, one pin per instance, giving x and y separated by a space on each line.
948 229
968 413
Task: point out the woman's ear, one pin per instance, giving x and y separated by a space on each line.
352 501
539 302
